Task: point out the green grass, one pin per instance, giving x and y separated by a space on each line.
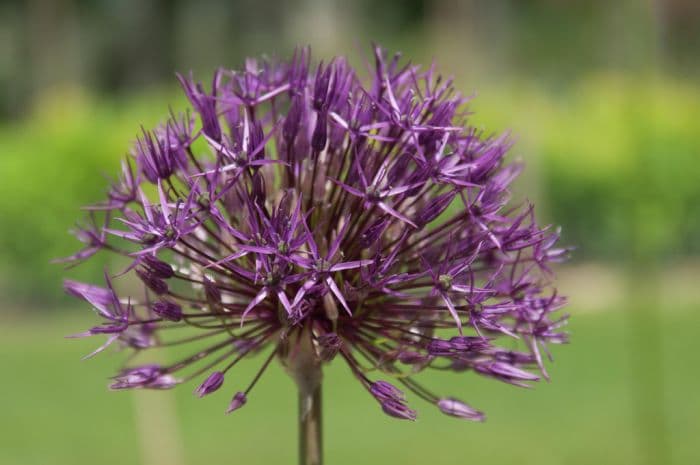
56 410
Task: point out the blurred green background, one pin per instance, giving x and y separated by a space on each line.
603 99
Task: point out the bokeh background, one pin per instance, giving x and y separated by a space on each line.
604 101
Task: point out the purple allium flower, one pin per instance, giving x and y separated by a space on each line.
459 409
167 310
239 399
211 384
314 215
145 376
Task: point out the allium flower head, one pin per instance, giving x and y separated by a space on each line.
311 214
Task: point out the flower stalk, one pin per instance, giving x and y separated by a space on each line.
310 427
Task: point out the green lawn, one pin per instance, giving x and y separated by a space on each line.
56 410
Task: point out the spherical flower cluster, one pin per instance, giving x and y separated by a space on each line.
311 215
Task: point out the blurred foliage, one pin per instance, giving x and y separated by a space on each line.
622 168
59 159
616 159
611 158
121 46
634 166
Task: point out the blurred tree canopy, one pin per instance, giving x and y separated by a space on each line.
114 46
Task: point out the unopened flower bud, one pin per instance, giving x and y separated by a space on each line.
152 281
167 310
329 345
211 384
456 408
159 268
238 401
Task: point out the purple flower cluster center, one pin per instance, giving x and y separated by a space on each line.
297 207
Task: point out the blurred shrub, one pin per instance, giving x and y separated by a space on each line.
612 159
50 166
622 168
616 159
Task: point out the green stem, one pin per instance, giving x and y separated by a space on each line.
310 437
